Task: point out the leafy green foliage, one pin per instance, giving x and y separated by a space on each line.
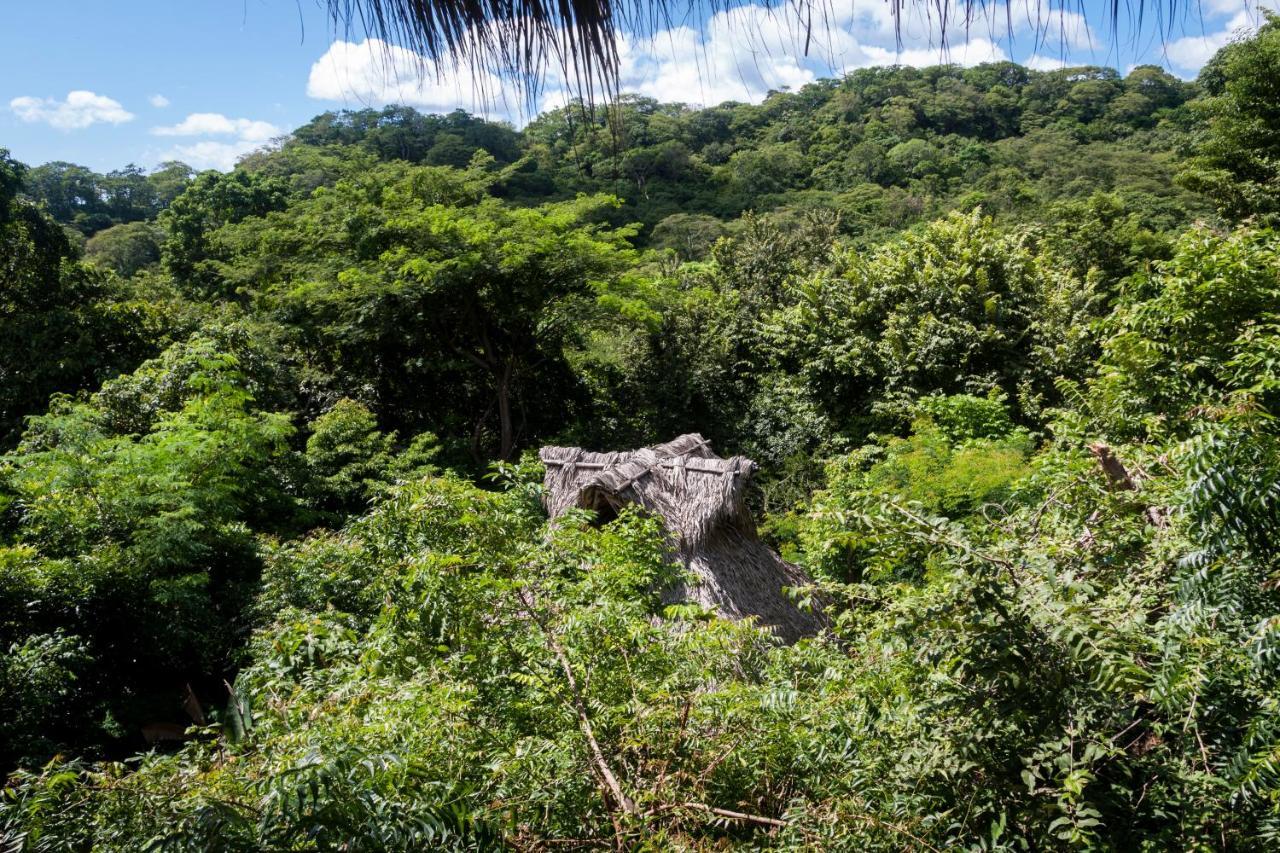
1015 416
84 327
38 681
402 133
885 148
210 201
444 307
129 516
90 202
964 418
1239 144
961 461
957 308
125 248
1194 330
426 673
351 461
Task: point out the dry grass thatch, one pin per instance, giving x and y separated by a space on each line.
700 498
522 39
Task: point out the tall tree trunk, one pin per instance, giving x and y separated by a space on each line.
507 431
501 370
502 373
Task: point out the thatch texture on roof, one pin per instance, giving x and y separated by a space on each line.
700 498
522 40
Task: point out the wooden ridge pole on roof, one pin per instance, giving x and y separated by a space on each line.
600 465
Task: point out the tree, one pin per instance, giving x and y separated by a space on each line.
351 462
168 180
1012 413
128 545
1195 328
125 248
494 286
1237 160
689 235
446 308
71 194
952 309
209 202
81 325
89 202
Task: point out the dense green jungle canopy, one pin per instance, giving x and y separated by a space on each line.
1005 343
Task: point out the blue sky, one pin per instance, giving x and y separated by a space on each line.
104 84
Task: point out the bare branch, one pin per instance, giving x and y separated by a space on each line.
744 816
605 776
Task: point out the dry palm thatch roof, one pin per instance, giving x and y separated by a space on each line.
700 498
521 39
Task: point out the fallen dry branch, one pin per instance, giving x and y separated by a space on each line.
1119 479
743 816
605 777
1117 476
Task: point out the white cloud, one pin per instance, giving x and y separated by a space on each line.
159 101
1040 62
209 154
1191 52
743 53
248 134
971 52
374 72
740 55
79 110
1231 7
216 124
920 26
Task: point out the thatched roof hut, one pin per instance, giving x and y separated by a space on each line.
700 498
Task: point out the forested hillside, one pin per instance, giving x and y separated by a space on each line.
1005 343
